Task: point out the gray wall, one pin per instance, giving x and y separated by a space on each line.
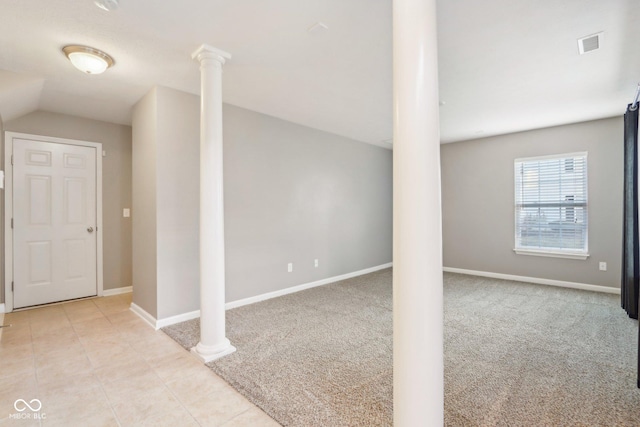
178 202
166 163
116 181
1 214
295 194
478 201
143 213
292 194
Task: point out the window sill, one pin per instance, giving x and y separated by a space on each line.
568 255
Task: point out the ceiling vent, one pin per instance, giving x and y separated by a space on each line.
589 43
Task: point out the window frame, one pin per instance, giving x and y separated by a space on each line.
552 252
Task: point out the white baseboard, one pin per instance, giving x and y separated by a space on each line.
537 280
157 324
117 291
298 288
161 323
2 308
143 315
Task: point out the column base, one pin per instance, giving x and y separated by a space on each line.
207 353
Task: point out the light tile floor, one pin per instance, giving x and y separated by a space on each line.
95 363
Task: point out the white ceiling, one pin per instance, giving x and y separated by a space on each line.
504 65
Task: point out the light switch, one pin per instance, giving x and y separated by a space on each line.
126 212
1 179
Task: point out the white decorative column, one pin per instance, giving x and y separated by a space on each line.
213 341
418 385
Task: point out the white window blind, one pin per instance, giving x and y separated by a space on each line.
551 203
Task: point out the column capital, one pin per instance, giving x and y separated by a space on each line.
209 52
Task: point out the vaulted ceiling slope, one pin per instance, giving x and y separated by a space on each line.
504 65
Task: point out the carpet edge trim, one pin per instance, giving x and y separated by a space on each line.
536 280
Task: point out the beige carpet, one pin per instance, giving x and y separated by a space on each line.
515 355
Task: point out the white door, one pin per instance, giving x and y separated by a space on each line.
54 222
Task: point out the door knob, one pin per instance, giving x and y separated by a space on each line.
90 229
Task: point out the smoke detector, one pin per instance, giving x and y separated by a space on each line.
590 43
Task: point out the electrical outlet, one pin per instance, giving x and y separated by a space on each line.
290 267
603 266
315 263
126 213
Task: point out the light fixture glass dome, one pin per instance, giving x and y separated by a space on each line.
107 5
87 59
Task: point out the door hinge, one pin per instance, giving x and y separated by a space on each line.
11 222
11 286
12 159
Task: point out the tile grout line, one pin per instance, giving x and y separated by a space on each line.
93 366
35 367
236 416
146 362
164 383
45 332
180 400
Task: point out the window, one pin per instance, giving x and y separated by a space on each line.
551 206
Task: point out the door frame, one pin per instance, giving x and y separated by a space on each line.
8 207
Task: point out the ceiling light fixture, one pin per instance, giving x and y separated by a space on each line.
107 5
87 59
